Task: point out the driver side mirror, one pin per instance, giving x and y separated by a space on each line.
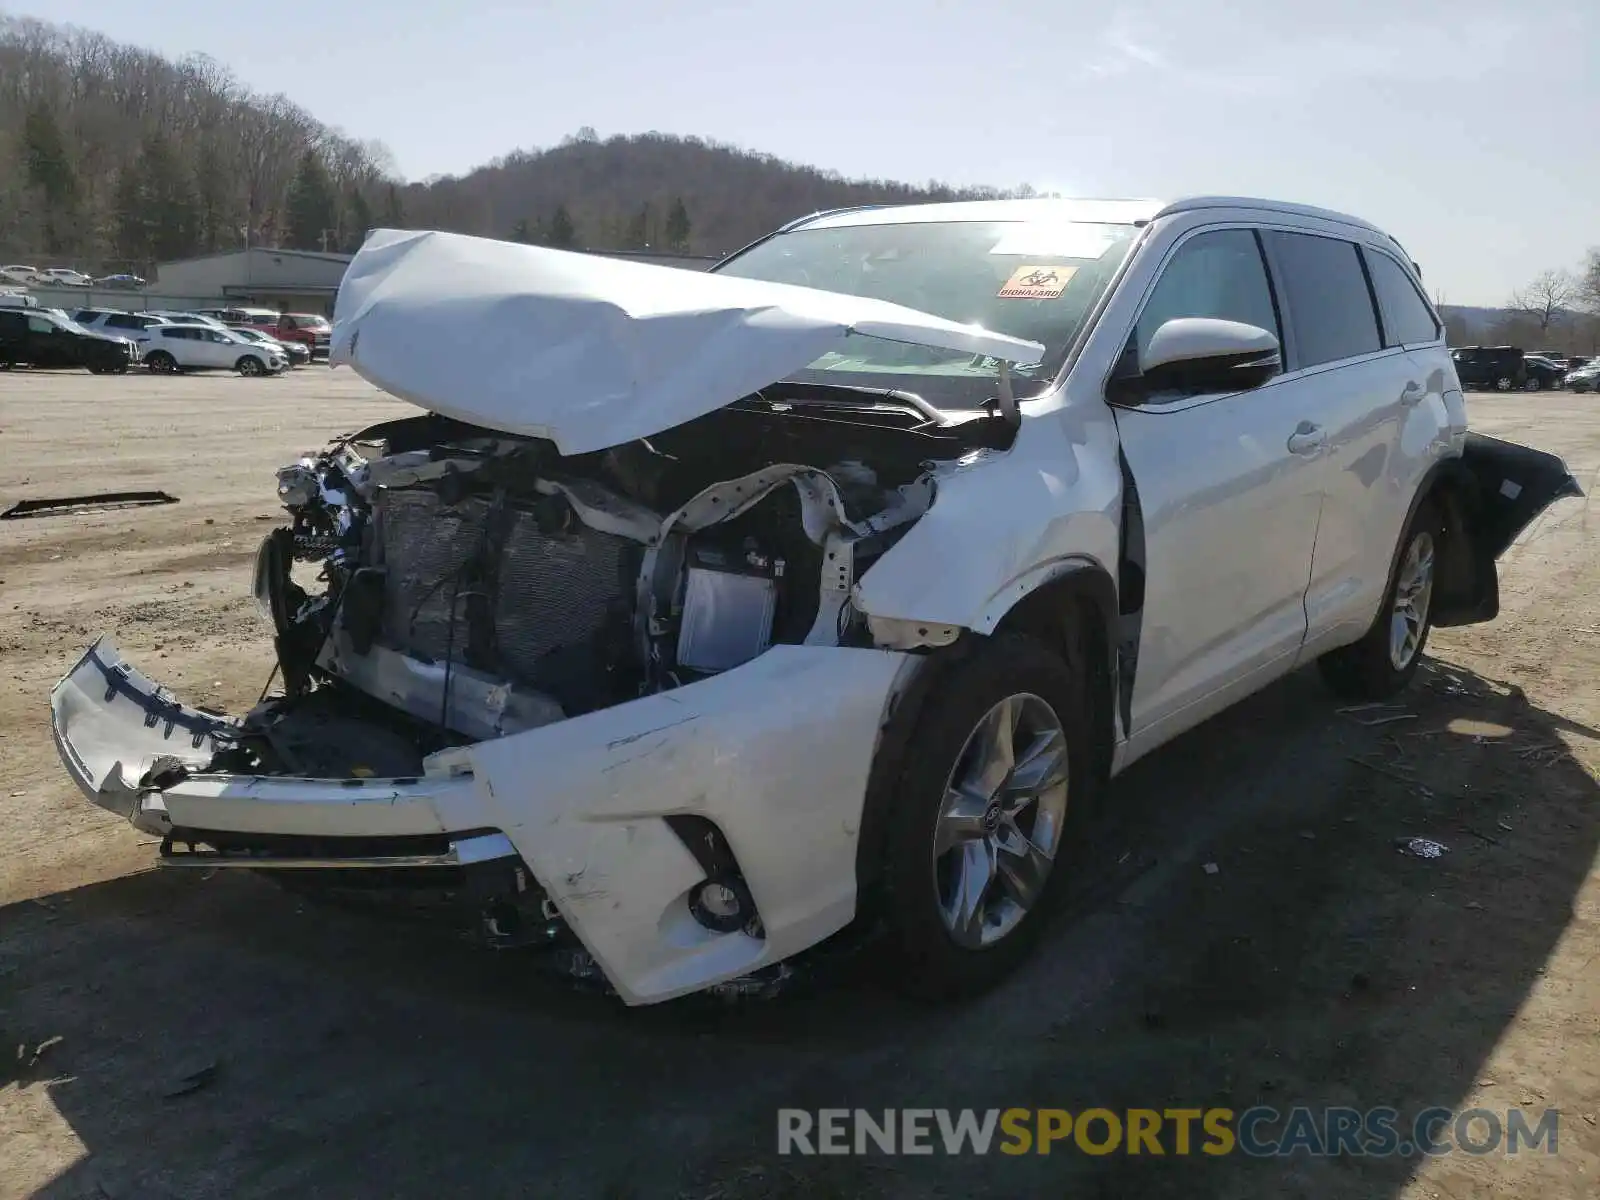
1196 356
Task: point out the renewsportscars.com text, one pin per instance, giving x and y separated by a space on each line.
1259 1132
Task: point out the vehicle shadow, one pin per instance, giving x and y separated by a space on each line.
220 1037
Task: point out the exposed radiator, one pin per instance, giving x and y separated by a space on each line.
551 591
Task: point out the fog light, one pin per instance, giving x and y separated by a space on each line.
722 905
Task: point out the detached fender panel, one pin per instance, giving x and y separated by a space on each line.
1515 483
1487 498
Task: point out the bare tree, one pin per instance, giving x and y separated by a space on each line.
1547 299
1589 282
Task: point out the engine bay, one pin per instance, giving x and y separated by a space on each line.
440 583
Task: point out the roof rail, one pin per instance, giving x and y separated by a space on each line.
1199 203
827 212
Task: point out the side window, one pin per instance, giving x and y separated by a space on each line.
40 325
1329 300
119 321
1216 274
1407 319
289 323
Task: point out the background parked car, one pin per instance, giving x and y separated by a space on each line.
309 329
1585 379
128 282
299 354
65 277
1490 368
187 318
197 347
42 338
15 299
17 273
134 326
1542 372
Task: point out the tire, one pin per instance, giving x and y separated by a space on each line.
1387 656
249 364
1533 384
161 363
942 949
1504 383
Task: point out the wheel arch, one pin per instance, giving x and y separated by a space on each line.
1074 613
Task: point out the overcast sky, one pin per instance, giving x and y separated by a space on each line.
1470 130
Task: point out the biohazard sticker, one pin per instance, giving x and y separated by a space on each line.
1037 283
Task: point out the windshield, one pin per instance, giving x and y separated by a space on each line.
1032 280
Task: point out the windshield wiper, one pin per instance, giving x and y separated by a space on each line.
894 395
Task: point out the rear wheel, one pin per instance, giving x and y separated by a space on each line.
249 364
1504 383
1534 383
1387 656
161 363
988 813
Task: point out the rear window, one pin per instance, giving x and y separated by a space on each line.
1330 304
1407 319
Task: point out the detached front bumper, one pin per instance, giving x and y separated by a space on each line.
775 754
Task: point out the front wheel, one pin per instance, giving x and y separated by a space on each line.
1534 383
1504 383
987 814
249 364
1387 656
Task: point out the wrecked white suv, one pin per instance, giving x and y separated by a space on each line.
699 617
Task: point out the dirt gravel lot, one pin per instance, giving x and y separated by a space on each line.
330 1055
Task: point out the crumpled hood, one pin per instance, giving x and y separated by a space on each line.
589 351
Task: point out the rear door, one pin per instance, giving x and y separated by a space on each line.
1379 411
1229 498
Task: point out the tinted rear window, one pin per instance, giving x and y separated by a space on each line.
1329 302
1406 316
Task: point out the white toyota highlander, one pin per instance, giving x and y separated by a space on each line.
699 617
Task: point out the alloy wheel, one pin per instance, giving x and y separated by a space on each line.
1413 593
1000 825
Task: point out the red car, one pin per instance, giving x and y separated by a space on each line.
310 330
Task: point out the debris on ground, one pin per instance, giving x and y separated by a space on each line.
1421 847
76 505
1211 868
192 1080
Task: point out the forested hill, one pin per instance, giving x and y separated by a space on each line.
651 189
113 157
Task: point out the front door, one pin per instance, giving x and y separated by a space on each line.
45 343
1229 497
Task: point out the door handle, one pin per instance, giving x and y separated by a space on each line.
1307 440
1413 393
